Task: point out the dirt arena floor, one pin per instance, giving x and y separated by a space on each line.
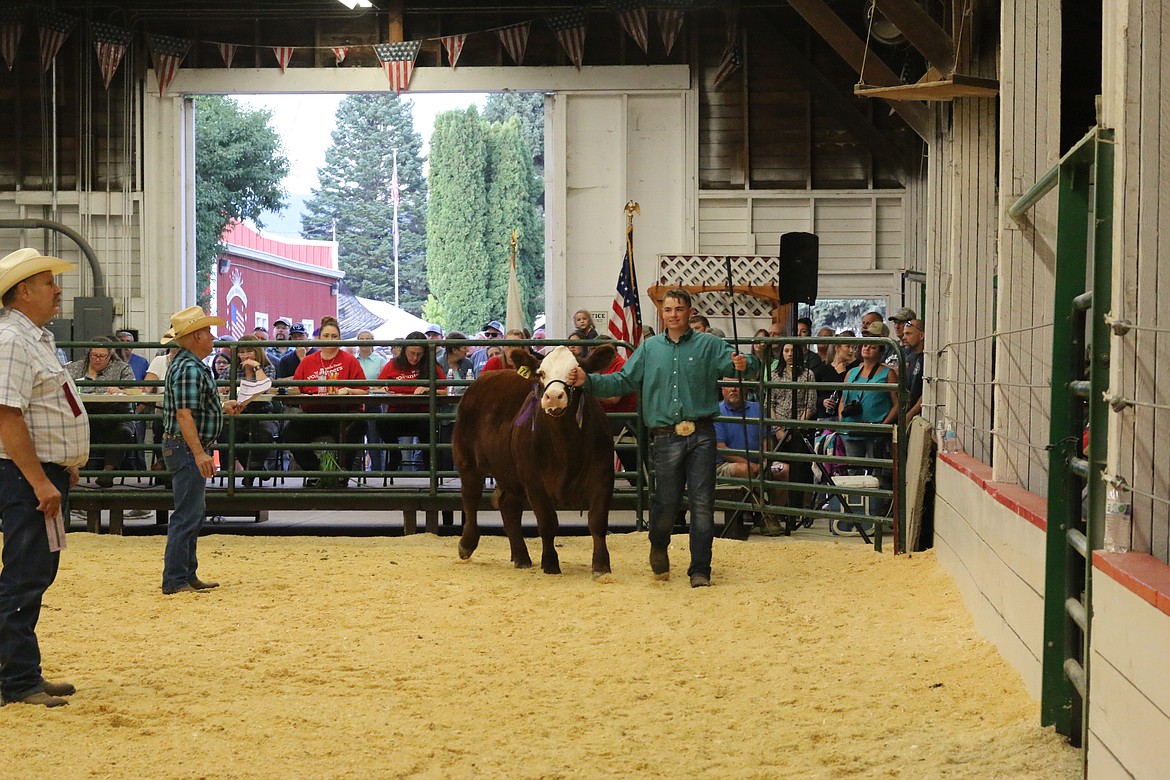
385 658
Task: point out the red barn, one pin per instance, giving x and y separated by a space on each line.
261 278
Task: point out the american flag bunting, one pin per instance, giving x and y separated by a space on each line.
569 30
515 40
228 52
635 20
339 52
397 60
670 22
167 53
110 43
454 46
11 30
283 55
625 321
730 61
55 28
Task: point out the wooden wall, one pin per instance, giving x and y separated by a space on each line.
1136 77
990 280
1029 146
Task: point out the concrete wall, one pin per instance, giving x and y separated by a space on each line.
990 537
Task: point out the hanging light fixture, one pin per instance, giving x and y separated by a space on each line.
352 4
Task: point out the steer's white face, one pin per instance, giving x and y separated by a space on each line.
554 376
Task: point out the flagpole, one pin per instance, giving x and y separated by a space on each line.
394 197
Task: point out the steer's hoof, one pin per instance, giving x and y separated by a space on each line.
523 564
603 577
465 552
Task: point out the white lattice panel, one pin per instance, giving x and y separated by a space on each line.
712 270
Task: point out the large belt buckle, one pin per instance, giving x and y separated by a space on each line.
684 428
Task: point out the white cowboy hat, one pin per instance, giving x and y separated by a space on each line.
192 319
23 263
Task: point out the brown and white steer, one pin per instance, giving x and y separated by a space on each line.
547 445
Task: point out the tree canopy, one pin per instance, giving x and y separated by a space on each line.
355 197
458 268
239 171
481 189
528 108
512 195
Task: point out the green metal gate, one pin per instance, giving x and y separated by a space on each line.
1080 376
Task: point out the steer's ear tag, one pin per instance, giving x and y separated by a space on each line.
525 372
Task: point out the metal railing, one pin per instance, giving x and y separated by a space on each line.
429 483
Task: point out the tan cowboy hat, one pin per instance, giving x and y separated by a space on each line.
192 319
167 337
23 263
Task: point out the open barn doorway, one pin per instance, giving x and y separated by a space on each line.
611 136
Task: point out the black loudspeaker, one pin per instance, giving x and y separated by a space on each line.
799 265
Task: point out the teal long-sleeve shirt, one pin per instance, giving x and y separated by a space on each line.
676 380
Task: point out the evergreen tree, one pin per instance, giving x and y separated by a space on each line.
458 268
239 170
512 193
528 108
354 194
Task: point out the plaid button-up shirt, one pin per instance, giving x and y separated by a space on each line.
34 381
189 385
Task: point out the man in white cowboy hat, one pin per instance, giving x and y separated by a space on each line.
192 418
44 438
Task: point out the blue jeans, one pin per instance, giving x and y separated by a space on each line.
179 561
685 461
28 571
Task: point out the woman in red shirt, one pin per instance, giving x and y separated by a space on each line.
327 364
410 363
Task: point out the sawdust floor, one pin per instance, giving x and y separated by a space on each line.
391 658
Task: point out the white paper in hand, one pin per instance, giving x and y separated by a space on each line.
249 390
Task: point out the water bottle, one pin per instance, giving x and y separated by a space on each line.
950 439
940 433
1118 528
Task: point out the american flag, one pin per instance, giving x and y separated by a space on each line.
237 317
515 40
339 52
730 61
635 20
398 61
10 31
110 43
228 52
670 22
283 55
625 323
569 29
55 28
454 46
166 52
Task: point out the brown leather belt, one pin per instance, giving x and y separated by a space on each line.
705 422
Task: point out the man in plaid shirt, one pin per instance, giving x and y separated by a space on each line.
192 418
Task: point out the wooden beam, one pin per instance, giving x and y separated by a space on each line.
922 31
855 121
395 13
852 49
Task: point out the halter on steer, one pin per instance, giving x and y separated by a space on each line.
538 389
